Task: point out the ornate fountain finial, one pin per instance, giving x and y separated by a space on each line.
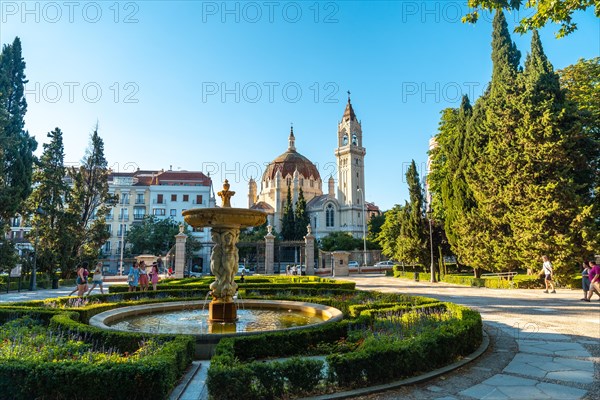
226 194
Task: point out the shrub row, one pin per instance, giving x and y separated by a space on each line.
150 377
235 370
406 358
275 285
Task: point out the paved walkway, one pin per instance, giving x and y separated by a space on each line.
543 346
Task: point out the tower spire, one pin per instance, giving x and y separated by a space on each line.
292 139
349 114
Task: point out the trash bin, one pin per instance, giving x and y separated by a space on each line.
55 283
416 276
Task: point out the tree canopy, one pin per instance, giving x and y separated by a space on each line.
538 12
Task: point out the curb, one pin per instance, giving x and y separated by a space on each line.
416 379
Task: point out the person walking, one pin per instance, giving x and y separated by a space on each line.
97 279
548 272
594 276
154 275
82 274
133 277
143 277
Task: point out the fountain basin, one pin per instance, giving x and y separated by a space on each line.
206 342
224 217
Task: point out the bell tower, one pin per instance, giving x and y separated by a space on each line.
350 156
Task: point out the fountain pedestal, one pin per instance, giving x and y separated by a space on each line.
225 224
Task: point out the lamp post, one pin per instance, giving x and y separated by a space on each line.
122 242
431 267
364 230
33 278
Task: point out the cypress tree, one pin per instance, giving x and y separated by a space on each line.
16 146
51 194
301 219
553 212
486 230
288 228
91 200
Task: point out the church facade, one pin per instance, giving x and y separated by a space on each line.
341 208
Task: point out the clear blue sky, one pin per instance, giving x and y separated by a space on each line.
214 86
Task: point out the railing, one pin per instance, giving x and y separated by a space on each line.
140 201
502 275
156 201
138 217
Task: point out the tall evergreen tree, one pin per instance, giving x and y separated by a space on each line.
51 194
486 230
301 219
553 209
451 196
91 200
288 227
16 146
412 242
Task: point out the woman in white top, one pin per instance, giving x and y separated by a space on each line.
97 278
548 272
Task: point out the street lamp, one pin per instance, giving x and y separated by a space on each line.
364 230
33 278
430 217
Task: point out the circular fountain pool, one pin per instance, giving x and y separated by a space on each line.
191 317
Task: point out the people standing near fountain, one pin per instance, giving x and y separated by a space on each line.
154 275
97 279
133 277
143 277
82 274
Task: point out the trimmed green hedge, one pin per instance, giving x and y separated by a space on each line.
150 377
236 367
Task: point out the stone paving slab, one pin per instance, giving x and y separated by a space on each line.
564 349
559 368
507 387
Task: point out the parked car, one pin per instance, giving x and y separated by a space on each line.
353 264
386 264
243 270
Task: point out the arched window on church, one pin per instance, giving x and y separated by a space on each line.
345 140
329 213
289 181
354 140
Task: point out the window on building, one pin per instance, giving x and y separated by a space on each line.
16 222
329 214
198 229
173 197
356 161
122 230
354 140
160 212
106 247
139 198
288 181
108 228
186 197
124 214
173 212
139 213
109 216
159 199
301 182
124 198
198 199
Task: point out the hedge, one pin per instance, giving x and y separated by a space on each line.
150 377
235 369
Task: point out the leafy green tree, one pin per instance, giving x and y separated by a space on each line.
390 230
544 11
374 226
255 234
16 146
153 236
301 218
91 201
340 241
48 205
288 225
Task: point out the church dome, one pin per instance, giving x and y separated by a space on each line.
290 161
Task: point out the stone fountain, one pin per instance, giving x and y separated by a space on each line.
225 224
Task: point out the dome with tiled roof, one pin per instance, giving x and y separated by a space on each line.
290 161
